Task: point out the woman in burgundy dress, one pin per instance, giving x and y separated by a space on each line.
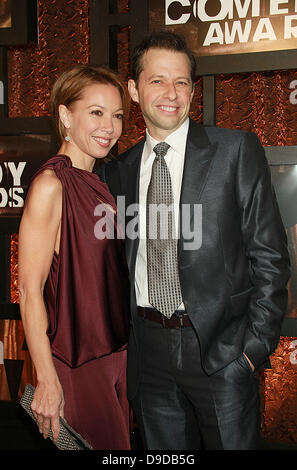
73 280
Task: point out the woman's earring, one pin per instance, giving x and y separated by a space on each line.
67 138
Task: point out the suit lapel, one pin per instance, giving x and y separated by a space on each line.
130 185
130 177
198 160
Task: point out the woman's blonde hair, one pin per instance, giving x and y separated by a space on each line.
69 87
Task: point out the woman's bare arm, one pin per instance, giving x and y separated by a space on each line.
38 238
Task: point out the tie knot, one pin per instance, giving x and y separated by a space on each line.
161 149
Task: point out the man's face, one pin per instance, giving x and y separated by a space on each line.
164 91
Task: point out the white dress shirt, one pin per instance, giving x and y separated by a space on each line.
175 162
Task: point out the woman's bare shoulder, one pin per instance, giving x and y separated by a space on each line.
45 191
47 180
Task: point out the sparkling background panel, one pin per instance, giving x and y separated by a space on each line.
259 102
63 41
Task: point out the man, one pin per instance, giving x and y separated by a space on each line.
206 315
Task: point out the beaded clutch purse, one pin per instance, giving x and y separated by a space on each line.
68 438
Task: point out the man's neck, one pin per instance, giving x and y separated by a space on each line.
161 134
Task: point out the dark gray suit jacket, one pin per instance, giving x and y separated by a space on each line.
234 285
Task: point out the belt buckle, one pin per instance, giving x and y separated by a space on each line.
181 321
180 318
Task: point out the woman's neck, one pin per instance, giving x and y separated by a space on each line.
79 160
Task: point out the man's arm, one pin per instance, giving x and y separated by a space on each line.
266 245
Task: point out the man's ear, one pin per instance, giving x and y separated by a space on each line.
133 90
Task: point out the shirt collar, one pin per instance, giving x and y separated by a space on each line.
176 140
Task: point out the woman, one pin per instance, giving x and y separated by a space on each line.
72 283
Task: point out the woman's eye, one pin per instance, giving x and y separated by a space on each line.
119 116
96 112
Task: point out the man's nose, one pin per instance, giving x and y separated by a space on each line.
171 91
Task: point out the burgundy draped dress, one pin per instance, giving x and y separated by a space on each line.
87 299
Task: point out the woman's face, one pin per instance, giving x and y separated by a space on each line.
94 122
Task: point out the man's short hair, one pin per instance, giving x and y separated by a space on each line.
161 40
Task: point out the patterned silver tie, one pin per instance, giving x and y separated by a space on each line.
162 265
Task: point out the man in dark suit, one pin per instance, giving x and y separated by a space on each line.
207 310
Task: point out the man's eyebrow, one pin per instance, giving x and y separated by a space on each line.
164 76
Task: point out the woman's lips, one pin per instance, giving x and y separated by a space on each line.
103 142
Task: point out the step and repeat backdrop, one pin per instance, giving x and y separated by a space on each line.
249 48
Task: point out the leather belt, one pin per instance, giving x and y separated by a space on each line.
178 320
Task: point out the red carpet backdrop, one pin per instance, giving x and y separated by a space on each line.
264 102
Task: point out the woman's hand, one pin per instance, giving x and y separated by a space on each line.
47 405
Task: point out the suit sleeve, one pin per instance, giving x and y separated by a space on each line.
266 247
